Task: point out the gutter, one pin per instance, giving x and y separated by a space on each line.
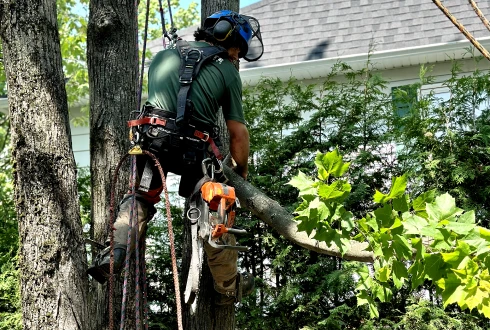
388 59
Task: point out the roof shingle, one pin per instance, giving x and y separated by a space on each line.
301 30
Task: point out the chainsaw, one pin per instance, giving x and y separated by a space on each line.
211 214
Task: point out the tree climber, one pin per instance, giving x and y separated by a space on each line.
183 106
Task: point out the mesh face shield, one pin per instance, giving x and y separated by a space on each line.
255 44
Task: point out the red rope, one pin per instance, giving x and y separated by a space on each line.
111 235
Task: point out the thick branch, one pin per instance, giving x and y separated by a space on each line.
282 221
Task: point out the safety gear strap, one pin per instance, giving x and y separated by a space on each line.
191 60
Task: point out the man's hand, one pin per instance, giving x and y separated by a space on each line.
239 146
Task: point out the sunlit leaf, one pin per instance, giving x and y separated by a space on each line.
452 289
413 224
303 183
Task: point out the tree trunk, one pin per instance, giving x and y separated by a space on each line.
52 257
112 65
208 315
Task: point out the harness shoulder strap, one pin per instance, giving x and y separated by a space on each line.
191 60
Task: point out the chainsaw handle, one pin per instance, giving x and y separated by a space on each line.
236 231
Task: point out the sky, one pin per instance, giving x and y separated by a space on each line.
243 3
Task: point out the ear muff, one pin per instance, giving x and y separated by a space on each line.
222 30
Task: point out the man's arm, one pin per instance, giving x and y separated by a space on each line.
239 146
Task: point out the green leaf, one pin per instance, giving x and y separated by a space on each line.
310 217
413 224
433 266
452 290
460 228
484 233
455 257
402 248
399 272
398 186
330 164
371 221
384 215
475 297
303 183
364 298
419 203
418 274
476 242
444 208
382 292
400 204
383 274
379 197
467 217
419 247
432 231
338 191
347 222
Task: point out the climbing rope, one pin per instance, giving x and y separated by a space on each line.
463 30
145 37
132 215
165 35
133 212
171 239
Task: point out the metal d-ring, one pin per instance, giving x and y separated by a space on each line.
193 221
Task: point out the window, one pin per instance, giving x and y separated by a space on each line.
403 97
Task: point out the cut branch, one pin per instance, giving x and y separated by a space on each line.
283 222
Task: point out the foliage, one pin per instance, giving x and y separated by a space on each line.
10 315
364 121
424 238
446 141
161 291
72 22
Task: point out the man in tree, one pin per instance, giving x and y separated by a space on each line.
187 86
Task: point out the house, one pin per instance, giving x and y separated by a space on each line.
305 38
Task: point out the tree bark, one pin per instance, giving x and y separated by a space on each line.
208 315
112 65
52 259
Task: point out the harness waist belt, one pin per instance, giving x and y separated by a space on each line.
204 136
147 120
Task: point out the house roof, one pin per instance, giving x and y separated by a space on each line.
305 38
303 30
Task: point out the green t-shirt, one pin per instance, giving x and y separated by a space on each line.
217 84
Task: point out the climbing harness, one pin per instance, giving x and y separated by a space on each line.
191 60
213 203
211 214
